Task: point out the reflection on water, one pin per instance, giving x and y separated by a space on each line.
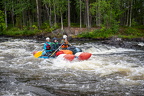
110 71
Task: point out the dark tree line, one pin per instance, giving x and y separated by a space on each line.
85 13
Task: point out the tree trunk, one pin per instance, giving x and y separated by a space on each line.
69 14
130 19
47 11
6 16
12 13
30 19
23 16
61 22
54 12
50 15
87 12
38 14
98 14
127 23
85 17
80 15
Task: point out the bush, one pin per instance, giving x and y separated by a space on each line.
101 33
17 32
2 22
133 32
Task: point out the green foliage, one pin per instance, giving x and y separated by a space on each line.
47 27
17 32
102 33
134 23
133 32
78 6
139 26
75 25
106 33
107 12
85 35
61 7
21 6
130 31
129 36
115 27
35 28
2 22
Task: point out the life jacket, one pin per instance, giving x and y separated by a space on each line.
48 47
65 45
55 45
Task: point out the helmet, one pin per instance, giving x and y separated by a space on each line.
64 36
47 38
54 39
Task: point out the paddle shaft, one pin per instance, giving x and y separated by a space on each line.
56 50
59 48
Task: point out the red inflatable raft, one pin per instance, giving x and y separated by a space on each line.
66 54
69 55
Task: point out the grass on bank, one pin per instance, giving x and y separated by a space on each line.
19 33
28 31
123 32
127 32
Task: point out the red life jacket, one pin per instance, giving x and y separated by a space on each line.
48 47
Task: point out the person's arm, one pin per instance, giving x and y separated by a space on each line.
44 46
62 41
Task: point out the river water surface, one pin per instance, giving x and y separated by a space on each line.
110 71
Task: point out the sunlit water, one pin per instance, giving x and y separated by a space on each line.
110 71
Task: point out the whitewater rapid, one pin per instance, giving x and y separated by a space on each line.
109 71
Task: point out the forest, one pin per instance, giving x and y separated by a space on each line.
124 18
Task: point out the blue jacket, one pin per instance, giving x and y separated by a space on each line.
45 48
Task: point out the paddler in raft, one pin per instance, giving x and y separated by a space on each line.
55 46
65 43
67 46
47 47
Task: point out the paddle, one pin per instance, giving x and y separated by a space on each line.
64 36
38 54
56 50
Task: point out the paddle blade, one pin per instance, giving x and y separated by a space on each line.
35 52
38 54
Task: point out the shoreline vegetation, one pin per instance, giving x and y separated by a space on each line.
126 33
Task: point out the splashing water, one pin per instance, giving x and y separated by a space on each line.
109 71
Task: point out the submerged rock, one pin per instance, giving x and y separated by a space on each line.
125 43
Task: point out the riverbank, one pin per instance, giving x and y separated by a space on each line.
77 34
133 43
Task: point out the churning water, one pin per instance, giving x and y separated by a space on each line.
110 71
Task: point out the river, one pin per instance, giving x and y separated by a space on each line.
111 71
